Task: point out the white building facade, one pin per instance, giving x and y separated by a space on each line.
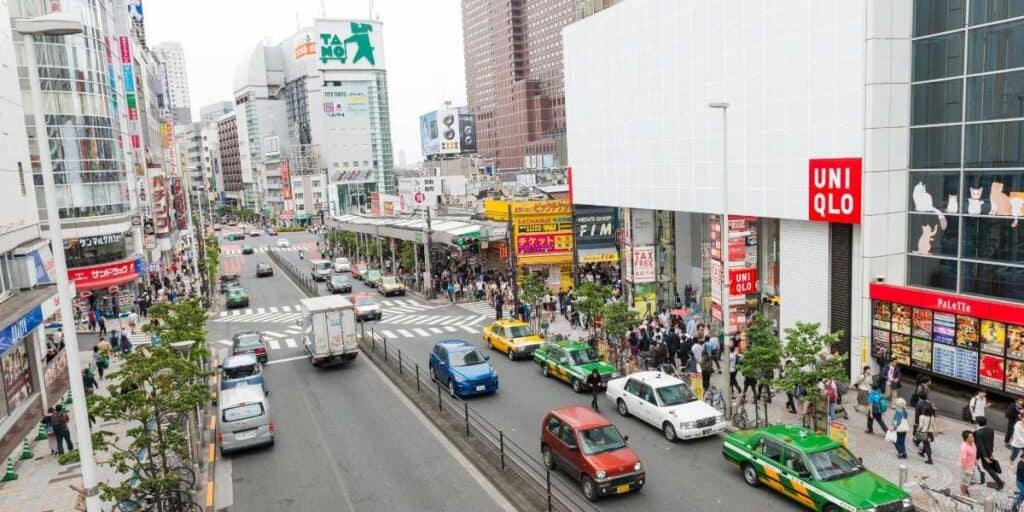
173 56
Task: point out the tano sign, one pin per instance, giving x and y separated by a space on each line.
834 190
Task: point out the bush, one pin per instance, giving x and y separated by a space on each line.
69 457
290 229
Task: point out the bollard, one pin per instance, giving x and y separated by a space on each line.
501 447
41 434
26 450
417 377
10 474
400 372
902 475
385 349
465 407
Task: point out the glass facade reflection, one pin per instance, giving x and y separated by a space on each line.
76 75
966 189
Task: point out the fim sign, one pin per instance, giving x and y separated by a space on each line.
834 190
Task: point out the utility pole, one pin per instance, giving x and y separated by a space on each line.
724 242
380 253
512 258
428 284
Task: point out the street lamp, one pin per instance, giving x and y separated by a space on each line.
60 24
724 251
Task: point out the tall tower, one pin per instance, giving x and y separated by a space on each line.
173 56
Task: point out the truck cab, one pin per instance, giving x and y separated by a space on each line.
329 330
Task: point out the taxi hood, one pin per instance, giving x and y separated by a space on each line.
864 490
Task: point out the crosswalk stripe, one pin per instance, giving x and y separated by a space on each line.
388 334
421 332
223 313
405 333
412 302
387 303
274 334
435 330
236 313
450 320
275 345
223 342
260 310
290 342
273 310
286 308
468 328
450 328
248 311
422 320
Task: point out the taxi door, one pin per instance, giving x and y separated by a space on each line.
768 459
795 472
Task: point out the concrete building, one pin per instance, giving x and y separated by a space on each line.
514 84
230 161
173 57
214 111
874 168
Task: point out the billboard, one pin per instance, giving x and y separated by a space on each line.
467 127
286 181
341 44
428 134
834 190
447 131
348 130
542 229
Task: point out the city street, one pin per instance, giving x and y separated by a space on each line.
345 439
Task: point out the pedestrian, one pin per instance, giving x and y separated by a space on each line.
920 396
125 345
733 359
99 359
968 461
790 395
707 368
59 420
984 440
594 383
828 388
1013 412
714 349
749 382
1017 442
925 433
1020 487
104 346
977 405
863 385
92 320
901 424
877 405
89 382
499 305
892 375
102 324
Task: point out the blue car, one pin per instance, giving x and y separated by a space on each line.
462 368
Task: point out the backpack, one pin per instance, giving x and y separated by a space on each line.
842 387
878 403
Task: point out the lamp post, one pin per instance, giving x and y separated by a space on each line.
724 242
60 24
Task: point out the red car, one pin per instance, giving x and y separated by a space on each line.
250 342
590 449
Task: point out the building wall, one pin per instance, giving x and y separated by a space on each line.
228 154
804 272
637 102
173 56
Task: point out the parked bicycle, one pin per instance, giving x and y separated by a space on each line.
740 419
945 500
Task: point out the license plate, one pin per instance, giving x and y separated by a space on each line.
622 489
706 431
481 387
242 436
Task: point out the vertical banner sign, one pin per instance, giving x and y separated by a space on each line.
126 49
834 190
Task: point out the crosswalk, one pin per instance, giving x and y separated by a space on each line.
424 332
289 314
482 308
236 250
290 337
139 338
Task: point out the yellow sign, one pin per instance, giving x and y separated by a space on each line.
697 385
645 299
553 207
566 281
611 256
839 432
305 49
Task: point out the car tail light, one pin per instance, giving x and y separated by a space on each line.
220 437
270 425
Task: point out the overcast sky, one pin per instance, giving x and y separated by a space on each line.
422 45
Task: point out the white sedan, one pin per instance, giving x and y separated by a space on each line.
342 265
283 242
665 402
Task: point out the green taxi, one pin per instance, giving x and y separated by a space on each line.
571 362
237 298
812 469
247 249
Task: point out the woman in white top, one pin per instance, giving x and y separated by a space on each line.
1017 441
863 385
978 404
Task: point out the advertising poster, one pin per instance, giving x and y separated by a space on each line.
839 432
1015 376
901 348
16 375
879 343
1015 341
921 354
643 264
966 367
881 317
967 332
943 359
901 318
922 323
645 299
944 328
990 371
993 337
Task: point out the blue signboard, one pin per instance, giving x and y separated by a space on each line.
16 331
42 276
129 79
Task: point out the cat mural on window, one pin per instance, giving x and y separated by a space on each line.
975 201
924 244
923 203
1008 204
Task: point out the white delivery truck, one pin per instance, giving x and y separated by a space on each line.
329 330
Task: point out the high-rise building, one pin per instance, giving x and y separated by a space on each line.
514 84
214 111
230 162
173 56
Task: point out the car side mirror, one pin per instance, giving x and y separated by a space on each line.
625 439
574 448
487 357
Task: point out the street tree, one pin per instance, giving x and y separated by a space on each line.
619 319
212 262
590 298
407 258
812 362
531 290
762 357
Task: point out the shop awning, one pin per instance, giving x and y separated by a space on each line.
103 276
598 255
301 216
547 259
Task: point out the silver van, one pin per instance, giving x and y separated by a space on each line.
244 418
322 269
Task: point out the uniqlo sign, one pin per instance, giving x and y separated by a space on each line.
834 190
743 281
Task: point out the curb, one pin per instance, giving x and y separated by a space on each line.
211 441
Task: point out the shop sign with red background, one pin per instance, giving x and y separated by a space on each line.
956 304
743 281
834 190
100 276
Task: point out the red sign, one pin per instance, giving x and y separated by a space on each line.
136 141
102 276
543 243
957 304
286 181
743 281
834 190
126 50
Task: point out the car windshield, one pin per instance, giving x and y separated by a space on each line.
366 301
341 261
236 292
835 463
339 280
583 356
676 394
248 341
241 372
322 266
389 280
466 358
243 412
601 439
262 266
518 331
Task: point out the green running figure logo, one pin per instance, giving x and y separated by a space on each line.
333 47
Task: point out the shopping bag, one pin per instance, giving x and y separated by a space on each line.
890 436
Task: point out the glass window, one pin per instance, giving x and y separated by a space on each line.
935 147
994 239
931 272
242 412
996 47
930 190
925 234
996 96
937 102
934 16
771 449
938 57
994 144
1000 281
985 11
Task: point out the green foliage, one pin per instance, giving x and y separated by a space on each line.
407 258
808 347
619 319
590 298
184 321
764 352
69 457
212 260
532 288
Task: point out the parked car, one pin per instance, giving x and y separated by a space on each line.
342 265
249 342
571 362
271 232
666 403
390 285
247 249
233 237
339 283
812 469
253 232
462 368
264 270
245 420
321 269
372 277
587 447
283 243
514 338
366 308
237 298
227 279
358 270
243 369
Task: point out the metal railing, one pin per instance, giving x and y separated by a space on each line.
300 278
504 454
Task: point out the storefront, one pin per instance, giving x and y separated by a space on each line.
596 252
19 359
109 288
95 250
956 338
542 234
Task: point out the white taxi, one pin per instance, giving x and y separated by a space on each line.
666 403
283 243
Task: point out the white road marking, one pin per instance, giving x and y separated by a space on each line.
236 313
290 342
223 314
274 345
273 310
260 310
468 329
223 342
450 320
412 303
405 333
286 308
387 303
248 311
388 334
450 328
421 332
285 360
435 330
274 334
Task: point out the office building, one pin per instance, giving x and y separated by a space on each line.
212 112
230 174
173 57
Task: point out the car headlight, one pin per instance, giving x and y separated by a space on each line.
688 424
907 503
719 418
493 373
638 466
601 474
459 378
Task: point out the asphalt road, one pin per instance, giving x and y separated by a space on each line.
690 475
345 440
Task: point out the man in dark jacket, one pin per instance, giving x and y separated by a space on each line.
891 378
984 439
594 384
685 351
672 343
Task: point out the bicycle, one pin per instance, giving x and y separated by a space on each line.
169 501
739 413
937 498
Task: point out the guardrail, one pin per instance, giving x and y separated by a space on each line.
504 454
300 278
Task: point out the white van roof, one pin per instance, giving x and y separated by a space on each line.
325 303
239 394
317 262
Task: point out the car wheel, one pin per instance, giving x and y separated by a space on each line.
669 431
622 407
489 344
451 388
587 485
549 460
577 386
750 474
544 370
511 355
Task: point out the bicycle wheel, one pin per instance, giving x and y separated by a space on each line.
185 475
